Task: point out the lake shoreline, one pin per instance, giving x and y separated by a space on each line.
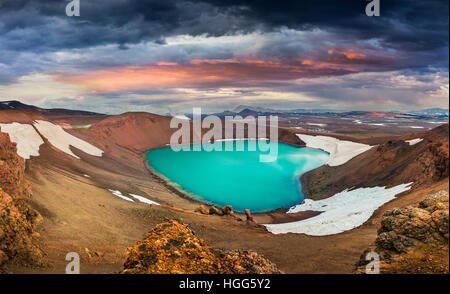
274 216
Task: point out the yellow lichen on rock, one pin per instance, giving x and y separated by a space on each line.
414 239
172 248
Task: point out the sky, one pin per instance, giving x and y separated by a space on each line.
169 56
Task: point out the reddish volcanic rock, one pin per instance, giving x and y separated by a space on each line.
414 239
172 248
17 219
202 209
215 210
227 210
249 215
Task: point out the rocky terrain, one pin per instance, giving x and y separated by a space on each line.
414 239
17 219
81 214
173 248
394 162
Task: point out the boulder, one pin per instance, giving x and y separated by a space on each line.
249 215
413 239
215 210
3 257
227 210
202 209
173 248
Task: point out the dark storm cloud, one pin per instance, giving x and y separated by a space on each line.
404 24
418 25
104 22
38 27
410 35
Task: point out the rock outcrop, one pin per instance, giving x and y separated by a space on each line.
215 211
172 248
395 162
414 239
249 216
17 219
202 209
227 210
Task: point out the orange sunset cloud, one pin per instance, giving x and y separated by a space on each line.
197 73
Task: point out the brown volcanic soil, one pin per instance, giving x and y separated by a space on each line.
78 119
81 215
138 132
394 162
127 136
9 116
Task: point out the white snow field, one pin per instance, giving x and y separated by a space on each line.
316 124
414 141
143 199
416 127
120 195
25 136
340 151
341 212
63 140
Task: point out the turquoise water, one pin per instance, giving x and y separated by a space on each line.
238 178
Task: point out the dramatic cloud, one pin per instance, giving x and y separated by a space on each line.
147 55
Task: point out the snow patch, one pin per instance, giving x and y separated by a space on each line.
341 212
120 195
62 140
143 199
414 141
25 136
317 124
340 151
416 127
437 122
182 116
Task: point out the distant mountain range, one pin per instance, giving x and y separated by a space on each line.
16 105
242 108
245 110
432 111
